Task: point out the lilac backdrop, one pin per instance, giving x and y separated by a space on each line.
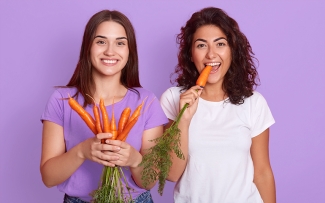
39 47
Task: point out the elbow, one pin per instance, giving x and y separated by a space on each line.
173 177
47 183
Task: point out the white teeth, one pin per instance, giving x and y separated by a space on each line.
109 61
213 64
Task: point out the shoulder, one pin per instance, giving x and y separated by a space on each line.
256 98
172 92
141 93
64 92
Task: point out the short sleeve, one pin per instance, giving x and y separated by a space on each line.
54 109
169 102
155 115
261 117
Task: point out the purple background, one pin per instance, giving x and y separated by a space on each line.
39 48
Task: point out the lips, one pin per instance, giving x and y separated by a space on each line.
109 61
215 66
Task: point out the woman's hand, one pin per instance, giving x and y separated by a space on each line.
123 153
191 98
94 150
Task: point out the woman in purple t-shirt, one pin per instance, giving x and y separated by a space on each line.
72 156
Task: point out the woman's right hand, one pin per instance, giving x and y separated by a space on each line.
93 150
191 97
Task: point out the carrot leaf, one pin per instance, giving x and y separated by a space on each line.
157 161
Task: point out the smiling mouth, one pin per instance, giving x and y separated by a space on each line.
109 61
215 66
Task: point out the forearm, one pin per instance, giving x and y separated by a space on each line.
58 169
137 176
266 186
179 165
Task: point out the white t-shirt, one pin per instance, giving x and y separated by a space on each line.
220 167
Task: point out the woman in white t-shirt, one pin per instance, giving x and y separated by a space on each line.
225 129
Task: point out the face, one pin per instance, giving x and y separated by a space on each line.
109 51
210 47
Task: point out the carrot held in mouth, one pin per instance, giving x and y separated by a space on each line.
157 162
203 77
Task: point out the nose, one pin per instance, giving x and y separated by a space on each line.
211 53
109 51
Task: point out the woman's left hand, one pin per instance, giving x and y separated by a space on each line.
127 155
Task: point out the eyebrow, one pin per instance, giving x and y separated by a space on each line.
118 38
203 40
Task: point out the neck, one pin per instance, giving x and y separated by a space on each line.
109 89
213 93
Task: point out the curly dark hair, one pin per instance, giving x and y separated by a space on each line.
241 78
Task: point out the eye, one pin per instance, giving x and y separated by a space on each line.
121 43
221 44
200 45
100 42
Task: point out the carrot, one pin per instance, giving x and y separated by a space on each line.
113 124
124 119
105 118
106 125
123 135
96 115
86 117
97 119
202 80
136 112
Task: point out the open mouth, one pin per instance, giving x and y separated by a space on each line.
109 61
215 66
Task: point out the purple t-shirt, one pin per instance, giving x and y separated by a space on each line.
87 177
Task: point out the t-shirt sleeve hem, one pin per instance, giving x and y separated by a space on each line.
266 126
153 125
51 120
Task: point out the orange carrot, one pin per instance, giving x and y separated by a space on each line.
202 80
105 118
97 119
83 114
136 112
113 124
123 119
123 135
96 115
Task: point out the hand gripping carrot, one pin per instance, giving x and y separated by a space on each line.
123 119
83 114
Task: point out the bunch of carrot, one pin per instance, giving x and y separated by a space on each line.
157 161
111 187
